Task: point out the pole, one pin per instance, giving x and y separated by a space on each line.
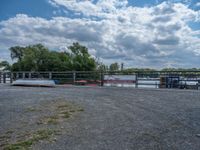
74 77
136 80
23 75
0 77
4 77
17 75
102 78
50 75
11 77
29 75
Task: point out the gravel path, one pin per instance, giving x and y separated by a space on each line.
113 118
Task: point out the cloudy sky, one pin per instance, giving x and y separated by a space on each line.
140 33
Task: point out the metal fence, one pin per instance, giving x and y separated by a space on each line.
69 77
151 79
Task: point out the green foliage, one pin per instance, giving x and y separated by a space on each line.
114 67
39 58
17 52
133 70
81 59
5 66
180 69
35 137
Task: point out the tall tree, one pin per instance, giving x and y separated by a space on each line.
81 59
39 58
17 52
114 67
5 66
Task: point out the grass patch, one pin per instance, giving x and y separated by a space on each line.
60 111
63 106
35 137
4 137
52 120
65 114
31 109
49 120
9 132
80 109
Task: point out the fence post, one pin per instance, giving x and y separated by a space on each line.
11 77
29 75
136 80
17 75
23 74
74 77
50 75
0 77
4 77
102 78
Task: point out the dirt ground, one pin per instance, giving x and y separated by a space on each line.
99 118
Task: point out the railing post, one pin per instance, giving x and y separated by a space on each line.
23 75
11 77
0 77
50 75
4 77
17 75
102 78
29 75
136 80
74 77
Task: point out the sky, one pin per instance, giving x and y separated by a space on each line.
139 33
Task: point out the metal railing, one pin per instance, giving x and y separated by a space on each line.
69 77
152 79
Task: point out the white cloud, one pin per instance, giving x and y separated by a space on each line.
198 4
157 36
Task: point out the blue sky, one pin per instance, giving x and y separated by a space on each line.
140 33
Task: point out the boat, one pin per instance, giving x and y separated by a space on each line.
34 82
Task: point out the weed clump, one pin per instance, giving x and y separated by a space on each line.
39 135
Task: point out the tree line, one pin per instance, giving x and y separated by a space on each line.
39 58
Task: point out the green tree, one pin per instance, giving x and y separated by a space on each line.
81 59
39 58
17 52
5 66
114 67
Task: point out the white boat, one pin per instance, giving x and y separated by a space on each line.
34 82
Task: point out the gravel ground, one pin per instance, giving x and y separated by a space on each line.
113 118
